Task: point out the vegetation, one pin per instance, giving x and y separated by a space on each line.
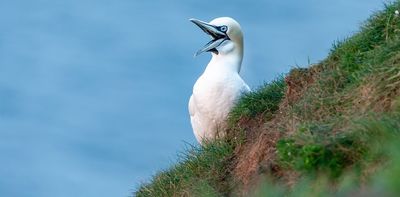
332 129
205 171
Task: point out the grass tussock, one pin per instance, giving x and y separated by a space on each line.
201 171
263 101
332 129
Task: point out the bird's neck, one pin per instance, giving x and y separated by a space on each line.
228 62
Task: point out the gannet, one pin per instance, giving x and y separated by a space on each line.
220 86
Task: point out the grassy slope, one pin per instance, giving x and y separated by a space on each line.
330 129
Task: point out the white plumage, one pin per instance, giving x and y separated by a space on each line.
220 86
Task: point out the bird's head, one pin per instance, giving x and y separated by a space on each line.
226 34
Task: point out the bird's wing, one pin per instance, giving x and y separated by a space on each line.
191 106
196 124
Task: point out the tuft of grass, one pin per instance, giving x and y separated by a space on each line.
263 101
319 154
201 171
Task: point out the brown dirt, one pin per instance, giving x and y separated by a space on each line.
258 154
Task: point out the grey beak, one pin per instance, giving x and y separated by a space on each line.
218 36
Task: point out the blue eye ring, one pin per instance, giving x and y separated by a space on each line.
223 28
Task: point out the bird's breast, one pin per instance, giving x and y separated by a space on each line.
216 95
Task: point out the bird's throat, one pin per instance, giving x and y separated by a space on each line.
225 63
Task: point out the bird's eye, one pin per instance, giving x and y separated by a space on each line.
223 28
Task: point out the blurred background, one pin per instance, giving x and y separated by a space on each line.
93 94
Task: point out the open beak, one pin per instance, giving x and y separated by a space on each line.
218 37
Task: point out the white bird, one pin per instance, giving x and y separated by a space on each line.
220 86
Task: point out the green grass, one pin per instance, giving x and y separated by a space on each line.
264 100
205 170
339 125
200 172
380 138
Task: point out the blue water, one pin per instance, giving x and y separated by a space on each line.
93 94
